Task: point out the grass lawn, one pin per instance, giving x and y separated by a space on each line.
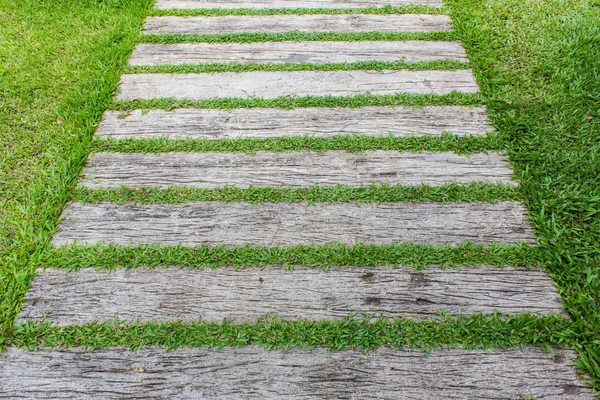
537 63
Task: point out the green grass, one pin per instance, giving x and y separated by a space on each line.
376 193
289 102
471 332
109 257
537 63
290 36
350 143
218 12
449 65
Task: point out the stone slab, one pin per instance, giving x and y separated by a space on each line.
289 224
311 23
271 85
252 373
296 52
143 294
263 123
292 169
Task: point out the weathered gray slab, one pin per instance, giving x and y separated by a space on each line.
294 52
288 224
250 372
245 295
271 85
258 4
299 23
262 123
292 169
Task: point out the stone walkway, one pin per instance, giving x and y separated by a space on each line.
145 294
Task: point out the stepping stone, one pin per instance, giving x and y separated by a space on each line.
289 224
258 4
271 85
344 23
292 169
250 372
257 123
295 52
143 294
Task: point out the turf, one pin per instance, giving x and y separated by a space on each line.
472 332
350 143
109 257
217 12
376 193
537 63
300 36
288 102
448 65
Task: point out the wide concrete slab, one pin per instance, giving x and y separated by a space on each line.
263 123
66 298
250 372
289 224
270 85
292 169
344 23
295 52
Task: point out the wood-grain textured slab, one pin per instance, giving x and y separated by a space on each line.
344 23
288 224
292 169
245 295
262 123
294 52
250 372
271 85
280 4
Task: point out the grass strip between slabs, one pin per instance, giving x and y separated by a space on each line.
471 332
375 193
111 256
220 12
352 143
446 65
289 102
256 37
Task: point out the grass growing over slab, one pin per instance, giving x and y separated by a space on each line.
536 61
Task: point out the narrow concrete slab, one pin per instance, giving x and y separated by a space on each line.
263 123
69 298
259 4
292 169
289 224
250 372
270 85
295 52
343 23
